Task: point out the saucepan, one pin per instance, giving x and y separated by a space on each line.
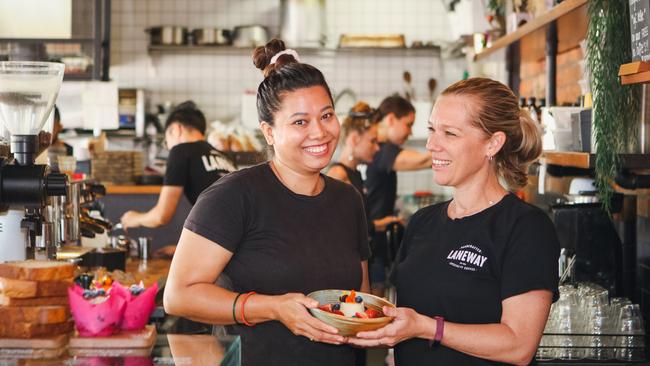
250 36
167 35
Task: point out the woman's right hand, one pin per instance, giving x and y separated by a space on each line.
381 224
291 310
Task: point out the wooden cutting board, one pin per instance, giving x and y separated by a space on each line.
46 342
144 338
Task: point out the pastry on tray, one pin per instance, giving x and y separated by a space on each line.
106 307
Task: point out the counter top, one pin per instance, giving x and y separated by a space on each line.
169 349
149 271
132 189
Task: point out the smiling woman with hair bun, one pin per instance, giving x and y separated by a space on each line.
278 230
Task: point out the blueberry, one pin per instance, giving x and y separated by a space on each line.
336 307
358 299
101 292
343 298
87 294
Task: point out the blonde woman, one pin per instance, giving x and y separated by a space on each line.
476 275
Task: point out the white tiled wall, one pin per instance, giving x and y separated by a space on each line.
216 80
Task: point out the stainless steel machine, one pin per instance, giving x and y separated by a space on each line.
27 94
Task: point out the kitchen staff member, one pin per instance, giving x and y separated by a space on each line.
359 135
476 275
278 230
192 165
397 116
58 147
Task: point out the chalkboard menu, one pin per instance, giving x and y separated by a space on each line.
639 27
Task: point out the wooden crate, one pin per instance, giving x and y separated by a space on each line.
117 167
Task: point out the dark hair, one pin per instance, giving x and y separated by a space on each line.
495 108
397 105
188 115
285 75
360 118
57 115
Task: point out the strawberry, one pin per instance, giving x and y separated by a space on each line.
372 313
361 315
326 307
338 312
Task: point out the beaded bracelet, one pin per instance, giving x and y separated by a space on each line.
234 305
243 303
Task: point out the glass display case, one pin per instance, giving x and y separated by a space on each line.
76 33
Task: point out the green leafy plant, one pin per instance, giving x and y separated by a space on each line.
616 106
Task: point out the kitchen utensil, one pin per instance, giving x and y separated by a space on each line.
250 36
167 35
211 36
303 22
144 247
349 326
409 92
432 88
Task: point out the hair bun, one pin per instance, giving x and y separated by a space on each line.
262 56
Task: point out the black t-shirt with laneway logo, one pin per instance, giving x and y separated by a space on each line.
462 269
194 166
284 242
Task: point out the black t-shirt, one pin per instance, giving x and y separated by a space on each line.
381 181
354 176
462 269
194 166
284 242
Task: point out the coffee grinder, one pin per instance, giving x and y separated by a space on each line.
27 94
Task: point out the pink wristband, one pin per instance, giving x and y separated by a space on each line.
440 329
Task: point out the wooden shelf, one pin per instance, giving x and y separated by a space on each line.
230 50
539 22
570 159
635 73
587 161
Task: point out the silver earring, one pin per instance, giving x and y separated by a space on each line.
490 158
350 158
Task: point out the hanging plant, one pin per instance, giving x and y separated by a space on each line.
616 107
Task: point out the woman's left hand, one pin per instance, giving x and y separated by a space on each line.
407 324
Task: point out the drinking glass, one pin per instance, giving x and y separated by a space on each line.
67 164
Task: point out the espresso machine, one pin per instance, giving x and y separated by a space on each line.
27 94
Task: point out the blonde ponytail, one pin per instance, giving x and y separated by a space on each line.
496 109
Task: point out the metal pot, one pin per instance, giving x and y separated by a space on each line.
211 36
250 36
303 22
167 35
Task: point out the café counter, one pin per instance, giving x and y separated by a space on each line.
168 349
